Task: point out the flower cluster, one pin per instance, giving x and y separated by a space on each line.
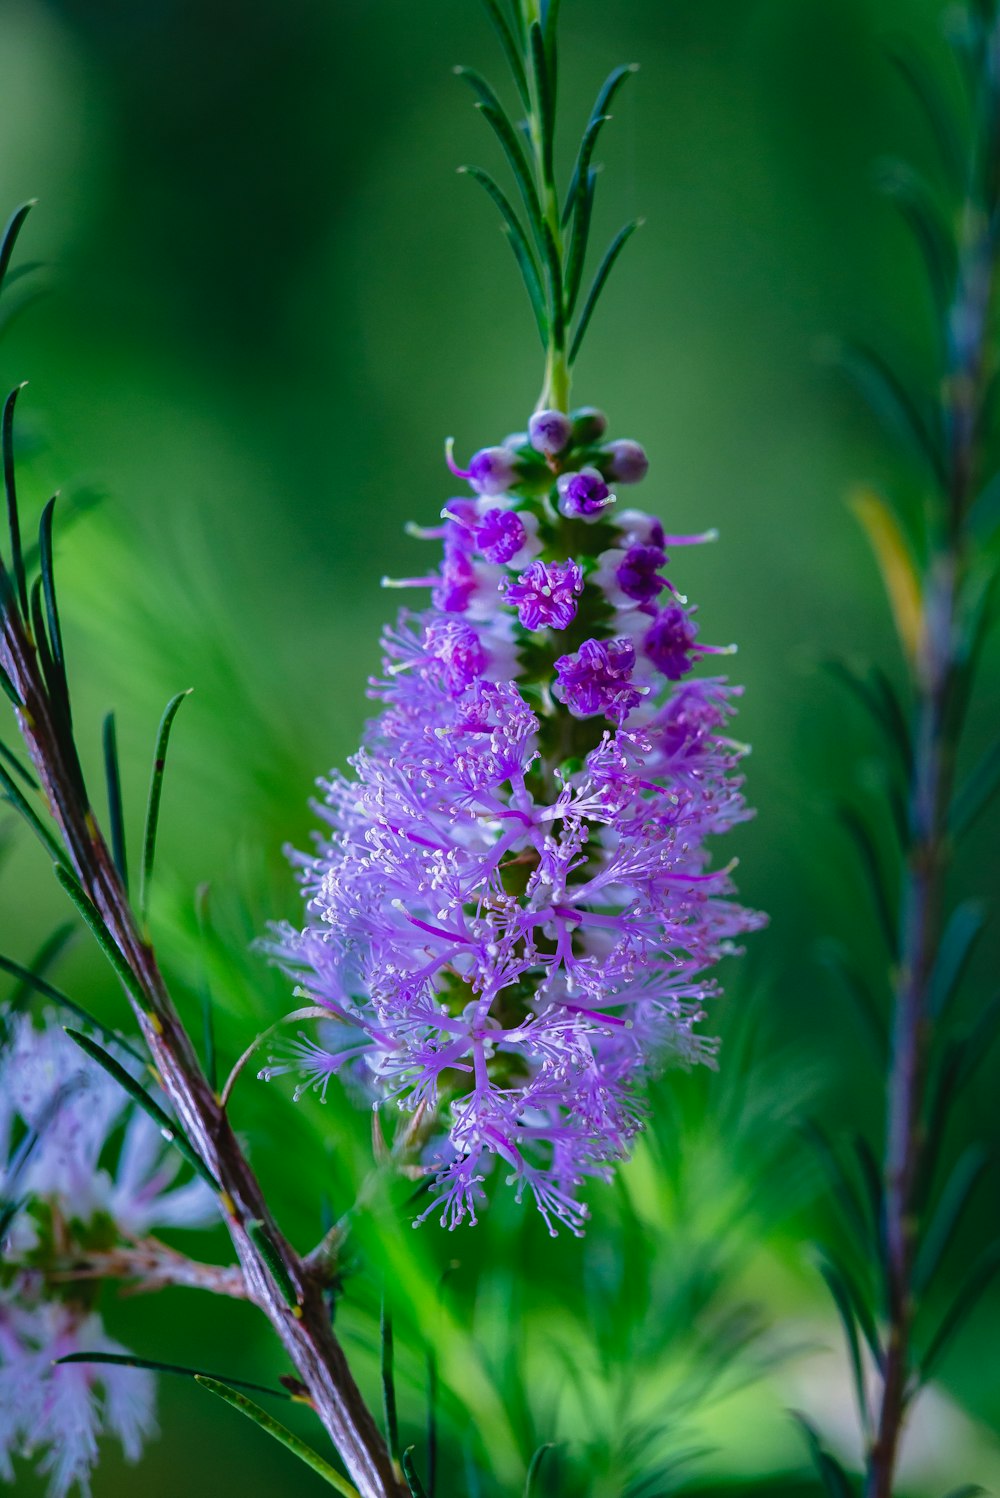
512 916
62 1122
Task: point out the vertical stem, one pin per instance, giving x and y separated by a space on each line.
928 852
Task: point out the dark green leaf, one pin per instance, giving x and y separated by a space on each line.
546 99
604 270
855 825
116 810
555 281
961 1308
9 690
967 1490
511 50
876 694
85 905
922 216
535 1467
166 1125
19 767
579 239
153 804
49 588
207 1021
519 244
279 1432
894 406
976 793
10 486
47 954
12 791
126 1360
940 1233
432 1423
954 952
29 980
389 1383
10 233
853 1206
845 1310
599 117
514 152
836 1483
919 75
984 515
268 1250
416 1487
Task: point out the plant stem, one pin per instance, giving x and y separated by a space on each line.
303 1328
938 726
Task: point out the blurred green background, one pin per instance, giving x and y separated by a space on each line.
269 299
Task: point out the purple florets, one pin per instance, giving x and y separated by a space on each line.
511 921
549 432
545 594
583 495
625 462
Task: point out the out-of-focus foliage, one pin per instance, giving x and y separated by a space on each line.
269 299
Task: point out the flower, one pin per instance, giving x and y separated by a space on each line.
550 432
625 462
545 594
81 1169
512 918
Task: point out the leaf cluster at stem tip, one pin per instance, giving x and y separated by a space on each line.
550 233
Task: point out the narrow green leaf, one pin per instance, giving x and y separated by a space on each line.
389 1411
30 981
853 1206
49 585
975 795
954 952
984 513
127 1360
45 957
967 1490
955 1197
961 1308
834 1479
860 834
9 690
10 487
546 98
845 1310
579 240
599 117
511 145
535 1467
19 767
877 696
604 270
835 959
432 1423
153 804
277 1267
116 810
554 263
898 410
510 48
921 214
92 916
416 1487
166 1125
12 791
279 1432
10 233
519 244
207 1019
919 75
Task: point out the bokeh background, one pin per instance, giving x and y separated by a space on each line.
268 299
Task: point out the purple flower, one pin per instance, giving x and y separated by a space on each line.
492 470
625 462
597 679
545 594
512 916
500 535
549 432
583 495
637 573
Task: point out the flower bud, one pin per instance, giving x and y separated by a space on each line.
550 432
492 470
625 462
589 425
583 495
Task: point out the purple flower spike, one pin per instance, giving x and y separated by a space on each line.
670 642
597 679
638 573
583 495
625 462
500 535
549 432
545 594
493 470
